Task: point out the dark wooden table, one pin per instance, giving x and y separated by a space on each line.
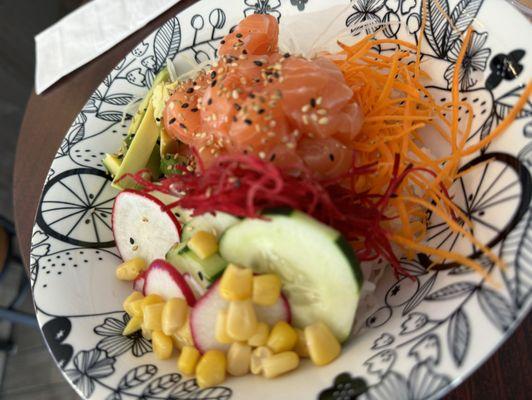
504 376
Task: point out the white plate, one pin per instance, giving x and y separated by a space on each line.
423 337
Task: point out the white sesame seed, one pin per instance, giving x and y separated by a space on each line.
262 155
323 121
319 100
305 108
305 119
322 111
314 117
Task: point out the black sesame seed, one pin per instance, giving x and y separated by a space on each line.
213 83
209 102
251 95
184 105
261 111
248 121
244 51
190 90
286 55
171 121
238 35
237 106
313 102
222 42
258 63
272 157
195 109
158 119
331 156
131 240
235 118
182 125
213 74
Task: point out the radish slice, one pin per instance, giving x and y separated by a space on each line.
163 279
141 226
204 314
138 283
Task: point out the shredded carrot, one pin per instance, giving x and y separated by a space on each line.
390 88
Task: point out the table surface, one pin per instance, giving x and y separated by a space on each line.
48 117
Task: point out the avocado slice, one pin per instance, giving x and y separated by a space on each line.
111 163
141 149
162 76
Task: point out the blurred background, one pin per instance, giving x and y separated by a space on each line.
21 345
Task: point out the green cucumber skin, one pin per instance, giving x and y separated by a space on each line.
346 248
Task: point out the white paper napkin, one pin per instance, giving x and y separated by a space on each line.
88 32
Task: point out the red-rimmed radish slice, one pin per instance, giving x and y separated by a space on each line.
204 315
138 283
163 279
142 227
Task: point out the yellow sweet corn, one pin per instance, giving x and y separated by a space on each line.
152 316
323 346
220 332
210 370
162 345
146 333
135 307
279 364
175 312
257 357
301 347
238 359
260 337
129 270
204 244
132 326
236 283
266 289
188 359
241 320
146 301
282 337
135 296
183 337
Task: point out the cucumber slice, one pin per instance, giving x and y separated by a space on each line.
204 272
216 224
320 272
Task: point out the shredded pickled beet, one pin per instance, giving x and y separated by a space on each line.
245 186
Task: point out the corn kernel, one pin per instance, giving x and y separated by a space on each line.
279 364
260 337
162 345
301 347
322 345
148 300
204 244
129 270
183 337
136 308
282 337
210 370
241 320
152 316
146 333
236 283
188 359
175 312
221 328
132 326
257 357
266 289
238 359
135 296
